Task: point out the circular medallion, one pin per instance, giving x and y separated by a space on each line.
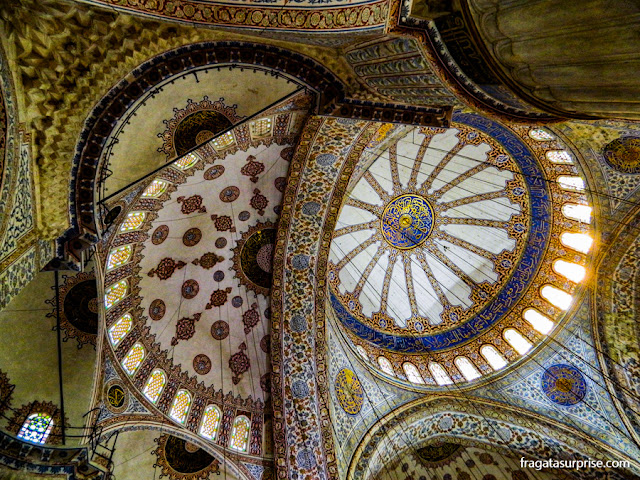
213 172
218 275
349 391
190 289
160 234
185 459
243 216
623 154
191 237
564 384
407 221
237 301
79 306
221 242
229 194
157 309
253 257
202 364
115 396
220 330
280 183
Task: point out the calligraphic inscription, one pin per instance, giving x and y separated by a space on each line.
564 384
407 221
349 391
116 396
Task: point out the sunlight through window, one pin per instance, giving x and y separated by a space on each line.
556 297
180 407
560 157
517 341
439 374
493 357
581 213
119 330
580 242
468 369
574 184
133 359
538 321
386 366
413 375
154 386
210 422
571 271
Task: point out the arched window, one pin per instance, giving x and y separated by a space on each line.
155 189
133 221
385 366
240 434
571 271
119 330
412 372
36 428
440 374
580 242
119 256
538 321
210 422
581 213
517 341
556 297
362 352
468 369
261 127
114 293
572 183
493 357
541 135
223 141
559 156
180 407
133 359
155 384
188 161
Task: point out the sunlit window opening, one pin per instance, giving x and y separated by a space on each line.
439 374
114 293
580 242
119 256
119 330
468 369
210 422
412 373
261 128
572 271
538 321
517 341
556 297
362 352
493 357
155 384
133 221
188 161
155 189
559 156
386 366
223 141
574 184
133 359
541 135
36 428
581 213
180 407
240 434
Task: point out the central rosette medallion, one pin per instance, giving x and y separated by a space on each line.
407 221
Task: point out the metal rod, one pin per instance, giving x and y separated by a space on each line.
62 425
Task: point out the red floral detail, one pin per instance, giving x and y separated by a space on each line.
192 204
185 328
252 168
239 363
218 298
223 223
250 318
259 201
165 268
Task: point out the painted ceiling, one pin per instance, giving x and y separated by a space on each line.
446 244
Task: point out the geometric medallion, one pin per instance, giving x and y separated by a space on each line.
564 384
623 154
407 221
349 391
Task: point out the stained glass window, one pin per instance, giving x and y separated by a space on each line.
541 135
114 293
133 221
571 271
556 297
36 428
180 407
362 352
119 256
413 375
575 184
581 213
468 369
559 156
240 434
517 341
133 359
581 242
155 384
261 128
386 366
210 422
188 161
540 322
440 374
223 141
155 189
119 330
493 357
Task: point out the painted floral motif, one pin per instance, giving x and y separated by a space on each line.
208 260
165 268
160 234
191 237
251 318
220 330
229 194
213 172
218 298
223 223
185 328
157 309
192 204
190 289
252 168
259 201
239 363
202 364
